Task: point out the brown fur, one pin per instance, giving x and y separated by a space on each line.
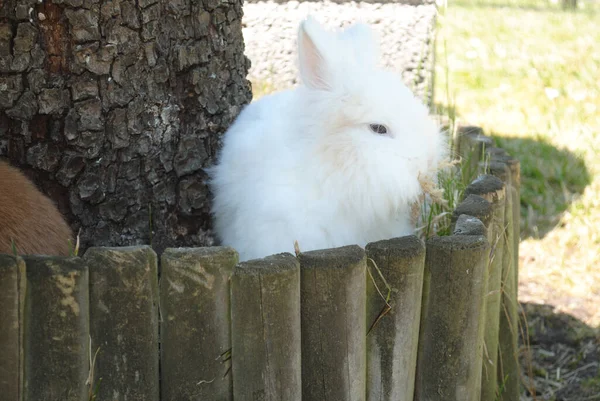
29 218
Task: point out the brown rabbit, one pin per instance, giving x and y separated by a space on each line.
28 218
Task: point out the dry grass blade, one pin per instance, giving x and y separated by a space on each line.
93 389
78 242
431 187
74 250
387 307
441 189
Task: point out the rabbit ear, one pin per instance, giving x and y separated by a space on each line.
315 69
364 43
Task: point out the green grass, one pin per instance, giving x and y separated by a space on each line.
529 74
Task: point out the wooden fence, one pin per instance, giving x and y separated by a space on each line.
434 321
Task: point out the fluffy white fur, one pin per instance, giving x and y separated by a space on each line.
304 165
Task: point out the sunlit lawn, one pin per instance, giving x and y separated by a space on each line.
530 75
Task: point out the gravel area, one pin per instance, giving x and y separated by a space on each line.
406 33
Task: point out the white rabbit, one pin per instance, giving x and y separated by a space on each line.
333 162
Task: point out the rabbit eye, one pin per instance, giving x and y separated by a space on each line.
378 128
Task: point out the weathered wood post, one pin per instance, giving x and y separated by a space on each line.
493 190
473 216
475 206
449 360
392 339
265 324
333 312
499 155
471 145
56 335
508 347
124 321
469 225
12 304
196 323
515 180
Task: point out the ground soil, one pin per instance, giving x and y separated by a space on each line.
560 356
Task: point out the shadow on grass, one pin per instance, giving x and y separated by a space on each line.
551 179
564 355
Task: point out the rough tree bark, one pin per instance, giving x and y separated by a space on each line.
115 107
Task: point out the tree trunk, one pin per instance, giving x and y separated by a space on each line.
115 108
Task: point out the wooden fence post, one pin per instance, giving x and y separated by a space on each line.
449 360
473 216
393 331
265 326
333 313
515 179
508 348
56 333
471 145
475 206
12 303
195 323
499 155
124 321
469 225
492 189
